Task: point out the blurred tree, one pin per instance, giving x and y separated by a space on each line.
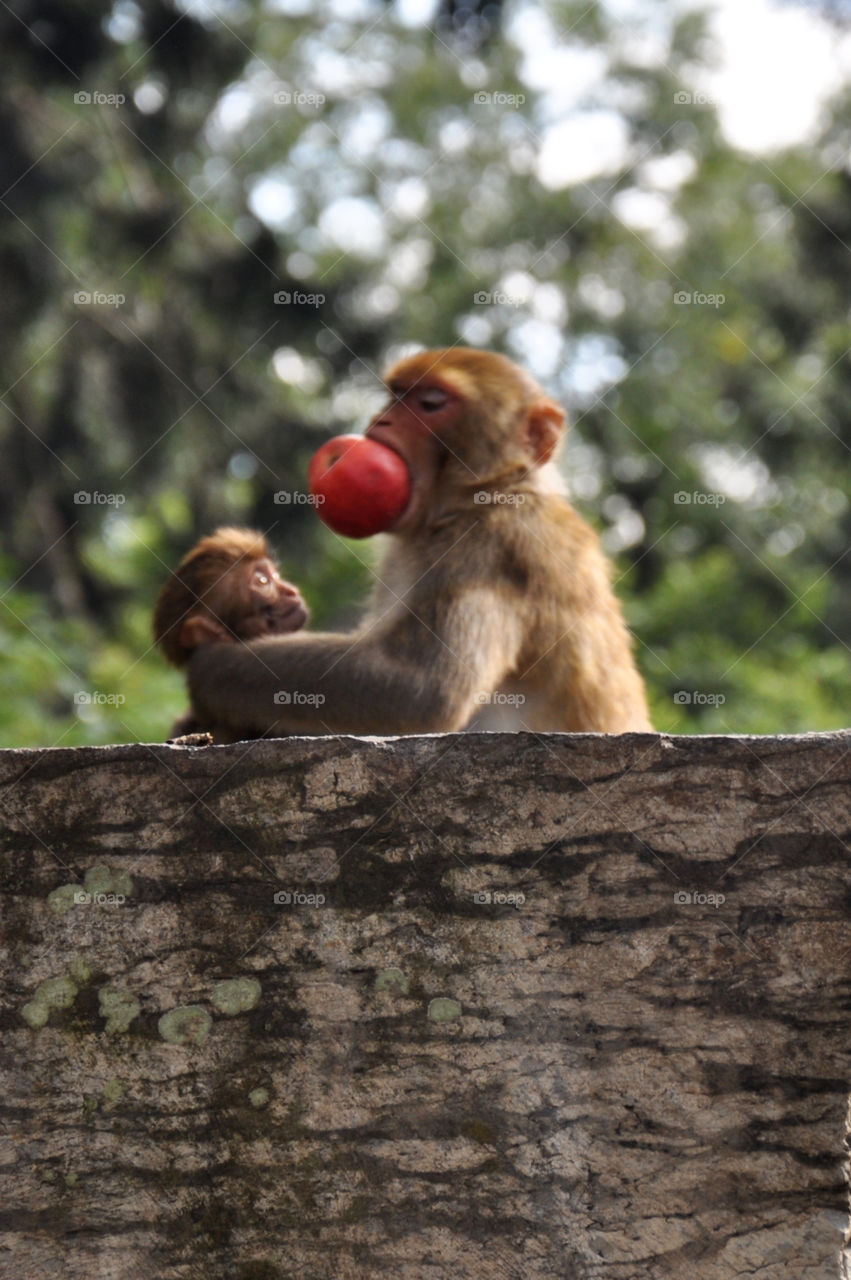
259 204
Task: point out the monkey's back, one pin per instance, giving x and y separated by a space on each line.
575 667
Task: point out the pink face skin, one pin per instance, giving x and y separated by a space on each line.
413 425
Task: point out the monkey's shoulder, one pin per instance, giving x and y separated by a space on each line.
531 544
544 530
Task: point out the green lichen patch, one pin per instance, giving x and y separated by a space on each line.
443 1009
61 900
119 1008
187 1024
35 1014
113 1090
80 970
103 879
56 993
259 1097
53 993
236 995
392 980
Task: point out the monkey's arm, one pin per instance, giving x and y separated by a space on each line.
418 675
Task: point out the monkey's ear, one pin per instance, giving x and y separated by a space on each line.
543 429
199 629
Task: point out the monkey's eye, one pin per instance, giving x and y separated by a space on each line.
263 579
432 400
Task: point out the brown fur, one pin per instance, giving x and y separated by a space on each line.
226 589
198 573
490 614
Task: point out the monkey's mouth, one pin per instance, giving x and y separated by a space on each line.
377 434
282 618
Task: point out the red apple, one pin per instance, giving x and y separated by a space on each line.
360 486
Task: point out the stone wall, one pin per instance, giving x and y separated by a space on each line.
433 1008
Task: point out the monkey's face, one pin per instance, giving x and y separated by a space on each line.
418 424
254 600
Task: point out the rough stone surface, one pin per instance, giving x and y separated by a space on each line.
438 1008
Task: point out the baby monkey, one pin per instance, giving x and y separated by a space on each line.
226 590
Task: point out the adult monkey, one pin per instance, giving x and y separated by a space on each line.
493 590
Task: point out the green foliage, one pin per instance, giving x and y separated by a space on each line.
733 667
62 684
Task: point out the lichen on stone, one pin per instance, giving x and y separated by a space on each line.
119 1008
442 1009
187 1024
392 980
236 995
62 900
104 879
